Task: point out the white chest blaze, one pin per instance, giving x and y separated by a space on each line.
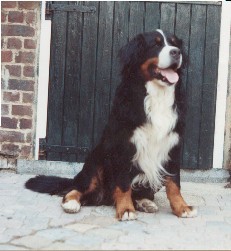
155 138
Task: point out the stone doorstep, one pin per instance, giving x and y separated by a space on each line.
60 168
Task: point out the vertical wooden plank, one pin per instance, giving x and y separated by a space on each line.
194 86
72 82
136 22
182 31
103 75
209 87
88 73
152 16
167 20
56 81
120 38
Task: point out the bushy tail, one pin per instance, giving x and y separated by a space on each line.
49 184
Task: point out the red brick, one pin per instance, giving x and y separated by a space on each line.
5 109
28 71
28 97
11 136
10 149
14 70
30 17
25 123
11 96
15 17
29 5
21 110
14 43
8 4
10 123
25 57
6 56
25 151
24 85
29 44
17 30
3 17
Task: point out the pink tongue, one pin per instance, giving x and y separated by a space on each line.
170 74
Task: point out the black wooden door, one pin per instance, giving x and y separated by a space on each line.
84 71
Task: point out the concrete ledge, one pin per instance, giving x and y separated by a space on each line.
44 167
3 164
212 175
60 168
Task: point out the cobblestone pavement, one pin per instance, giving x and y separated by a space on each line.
30 220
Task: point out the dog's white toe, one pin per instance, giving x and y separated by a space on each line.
127 216
190 214
72 206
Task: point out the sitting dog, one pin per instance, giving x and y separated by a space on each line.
139 151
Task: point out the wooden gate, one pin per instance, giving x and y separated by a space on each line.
84 70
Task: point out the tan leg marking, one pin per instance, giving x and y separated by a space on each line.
71 202
177 203
124 206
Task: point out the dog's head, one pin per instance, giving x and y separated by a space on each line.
154 55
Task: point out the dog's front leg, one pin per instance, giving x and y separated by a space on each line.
177 203
124 206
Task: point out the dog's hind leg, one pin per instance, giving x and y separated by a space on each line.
88 181
143 199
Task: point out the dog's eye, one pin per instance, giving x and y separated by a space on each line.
158 41
175 41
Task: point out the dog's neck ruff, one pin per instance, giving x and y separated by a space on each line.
155 138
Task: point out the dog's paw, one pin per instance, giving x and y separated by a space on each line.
189 212
71 206
146 206
128 215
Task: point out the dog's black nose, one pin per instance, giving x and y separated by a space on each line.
175 53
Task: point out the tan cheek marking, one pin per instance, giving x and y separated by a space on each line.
145 65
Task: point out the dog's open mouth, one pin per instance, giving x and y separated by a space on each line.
167 75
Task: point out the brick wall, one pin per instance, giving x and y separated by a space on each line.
20 43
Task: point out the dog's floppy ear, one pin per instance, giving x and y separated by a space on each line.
132 52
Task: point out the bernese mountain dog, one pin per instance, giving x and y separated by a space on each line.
139 151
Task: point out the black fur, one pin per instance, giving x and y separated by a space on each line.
112 156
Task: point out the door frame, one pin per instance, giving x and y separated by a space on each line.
222 86
222 83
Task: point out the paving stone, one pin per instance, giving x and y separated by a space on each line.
36 221
4 238
83 242
61 246
11 247
56 234
61 222
18 232
100 220
110 234
82 228
228 220
34 242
